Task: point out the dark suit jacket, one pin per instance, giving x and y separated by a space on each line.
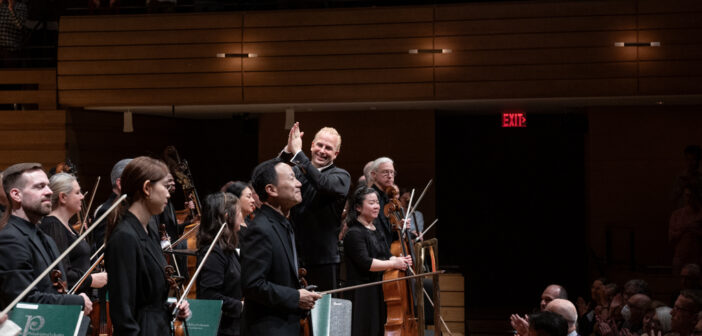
137 284
269 275
97 237
317 218
23 256
220 279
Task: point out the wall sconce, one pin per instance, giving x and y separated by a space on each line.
228 55
637 44
430 51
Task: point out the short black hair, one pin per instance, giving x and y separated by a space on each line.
547 323
263 175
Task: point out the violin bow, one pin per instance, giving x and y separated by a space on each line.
90 204
197 272
375 283
85 275
426 230
419 199
58 260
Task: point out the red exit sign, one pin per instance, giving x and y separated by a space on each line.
514 119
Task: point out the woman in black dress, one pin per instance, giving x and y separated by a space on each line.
66 203
367 257
138 287
220 277
247 204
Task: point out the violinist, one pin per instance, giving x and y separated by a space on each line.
246 203
367 256
220 277
98 235
66 203
317 219
26 251
383 177
274 300
138 286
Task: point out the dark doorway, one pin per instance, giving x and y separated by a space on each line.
512 205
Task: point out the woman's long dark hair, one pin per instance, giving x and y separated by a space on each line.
218 207
356 200
138 171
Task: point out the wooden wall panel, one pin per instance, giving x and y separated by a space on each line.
103 23
32 136
151 81
166 66
169 96
215 35
499 50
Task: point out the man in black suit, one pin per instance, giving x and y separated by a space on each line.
317 219
274 300
25 251
98 235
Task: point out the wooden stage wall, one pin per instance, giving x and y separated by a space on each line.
499 50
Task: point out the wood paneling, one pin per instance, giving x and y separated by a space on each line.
29 87
499 50
32 136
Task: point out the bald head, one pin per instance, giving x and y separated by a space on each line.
552 292
566 309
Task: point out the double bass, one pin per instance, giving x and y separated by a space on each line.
398 295
181 172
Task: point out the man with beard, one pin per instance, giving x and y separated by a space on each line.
25 251
317 219
274 300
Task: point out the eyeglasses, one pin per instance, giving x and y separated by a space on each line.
388 172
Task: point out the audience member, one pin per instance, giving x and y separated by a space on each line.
685 229
567 310
546 323
634 311
693 154
685 311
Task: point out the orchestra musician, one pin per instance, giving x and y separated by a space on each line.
220 277
246 204
98 235
317 218
66 203
367 255
383 177
25 251
274 300
138 286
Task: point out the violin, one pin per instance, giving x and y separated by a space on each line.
398 295
58 282
175 282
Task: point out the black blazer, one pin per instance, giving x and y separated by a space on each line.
317 218
137 285
220 279
269 275
23 256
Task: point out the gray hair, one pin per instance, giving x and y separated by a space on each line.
60 183
380 161
117 169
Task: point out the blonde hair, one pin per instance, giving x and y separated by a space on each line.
330 131
60 183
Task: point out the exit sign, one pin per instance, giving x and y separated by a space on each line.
514 119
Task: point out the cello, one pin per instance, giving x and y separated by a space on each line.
398 295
